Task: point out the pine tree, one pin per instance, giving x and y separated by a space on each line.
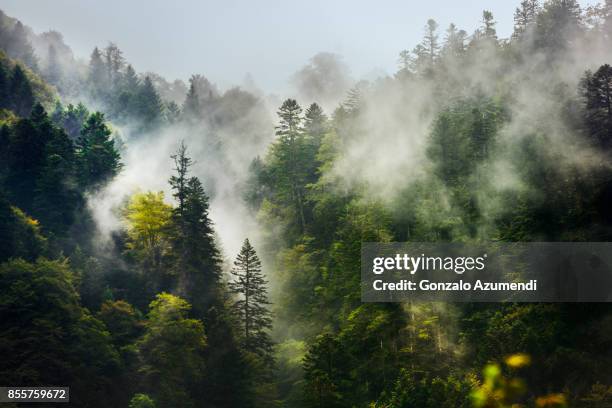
315 128
426 53
19 47
525 16
192 107
178 182
97 74
114 63
597 93
53 69
56 197
251 307
173 112
315 122
197 257
288 156
454 44
558 25
21 92
99 160
148 105
130 80
488 30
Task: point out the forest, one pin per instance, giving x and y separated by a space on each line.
175 245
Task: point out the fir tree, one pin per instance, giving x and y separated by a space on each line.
192 107
19 47
597 93
21 92
148 105
454 44
197 257
97 74
288 154
251 308
99 160
53 69
525 16
315 122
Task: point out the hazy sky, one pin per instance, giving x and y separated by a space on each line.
270 39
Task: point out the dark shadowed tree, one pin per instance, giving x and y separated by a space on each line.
21 92
597 93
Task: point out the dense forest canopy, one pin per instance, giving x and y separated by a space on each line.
165 244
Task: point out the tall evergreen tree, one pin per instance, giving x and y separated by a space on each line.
99 160
53 71
192 107
426 53
97 77
56 197
130 80
148 106
454 44
558 25
114 63
597 92
19 46
27 156
488 30
21 92
197 257
251 307
288 154
525 16
315 122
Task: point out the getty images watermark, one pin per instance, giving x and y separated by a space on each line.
495 272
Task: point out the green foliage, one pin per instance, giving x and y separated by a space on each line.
148 221
20 235
41 311
98 158
172 352
142 401
251 307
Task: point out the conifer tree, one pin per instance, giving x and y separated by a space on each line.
148 105
197 257
288 155
249 285
192 107
19 47
130 80
454 45
597 93
53 69
21 92
114 63
315 122
524 16
99 160
97 74
426 53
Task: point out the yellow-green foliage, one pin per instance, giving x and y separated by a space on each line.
7 117
500 390
147 217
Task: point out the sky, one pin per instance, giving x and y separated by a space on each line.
269 39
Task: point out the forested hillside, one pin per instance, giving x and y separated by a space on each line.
173 245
